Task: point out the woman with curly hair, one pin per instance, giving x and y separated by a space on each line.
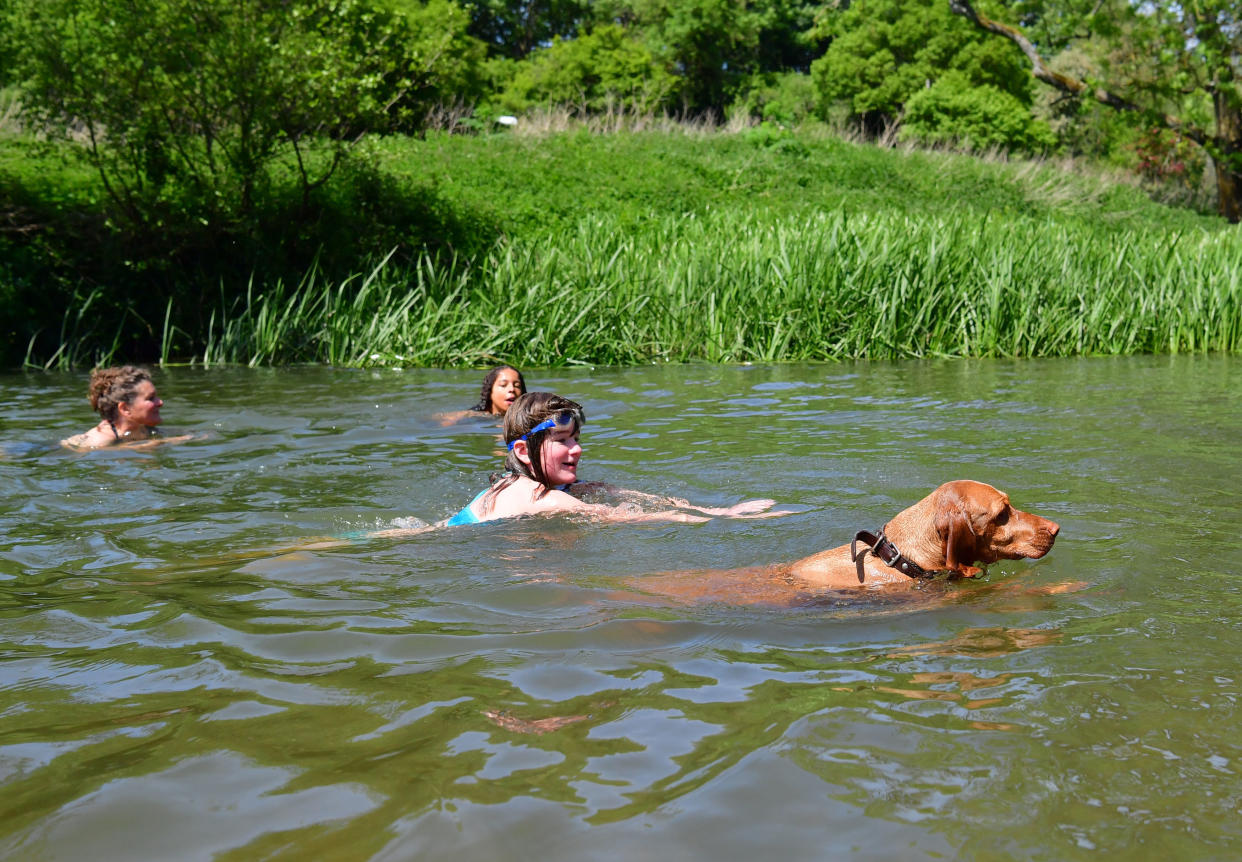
124 396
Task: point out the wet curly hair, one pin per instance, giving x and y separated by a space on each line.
111 387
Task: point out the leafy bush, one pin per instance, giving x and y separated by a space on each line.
885 51
952 111
203 100
770 136
61 245
602 70
787 98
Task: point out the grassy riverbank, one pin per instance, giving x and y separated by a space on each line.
758 245
732 287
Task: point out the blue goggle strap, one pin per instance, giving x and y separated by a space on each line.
565 417
542 426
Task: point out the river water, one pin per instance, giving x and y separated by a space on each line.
176 683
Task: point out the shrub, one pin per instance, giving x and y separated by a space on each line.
205 99
601 70
787 98
885 51
61 245
952 111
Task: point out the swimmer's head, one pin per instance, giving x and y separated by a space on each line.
532 418
111 387
502 385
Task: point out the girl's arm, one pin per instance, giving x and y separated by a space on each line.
560 501
446 419
747 508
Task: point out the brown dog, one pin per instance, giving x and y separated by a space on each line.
960 523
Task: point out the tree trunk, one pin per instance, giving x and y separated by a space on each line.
1227 155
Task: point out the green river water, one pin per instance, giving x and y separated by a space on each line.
176 684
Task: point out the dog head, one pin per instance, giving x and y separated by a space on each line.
977 524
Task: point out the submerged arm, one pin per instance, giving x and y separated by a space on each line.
747 508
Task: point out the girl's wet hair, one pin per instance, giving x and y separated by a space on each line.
485 394
111 387
528 411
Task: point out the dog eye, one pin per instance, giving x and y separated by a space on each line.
1003 517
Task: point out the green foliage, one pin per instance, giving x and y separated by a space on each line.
716 45
447 65
701 38
711 47
1084 127
509 222
62 247
515 28
225 136
787 98
601 70
540 185
204 99
778 138
951 111
885 51
732 287
1172 64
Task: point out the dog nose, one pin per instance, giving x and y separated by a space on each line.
1053 528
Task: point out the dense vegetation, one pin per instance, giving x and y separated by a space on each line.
262 179
756 245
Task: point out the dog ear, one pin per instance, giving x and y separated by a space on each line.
953 526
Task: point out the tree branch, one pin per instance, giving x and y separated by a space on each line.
1072 86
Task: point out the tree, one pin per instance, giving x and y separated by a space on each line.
515 28
1168 59
209 97
600 70
715 46
707 41
883 52
951 111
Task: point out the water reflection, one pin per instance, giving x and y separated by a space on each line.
178 684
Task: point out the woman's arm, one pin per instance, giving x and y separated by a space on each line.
152 442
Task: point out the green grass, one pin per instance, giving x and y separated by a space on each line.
735 287
753 246
533 185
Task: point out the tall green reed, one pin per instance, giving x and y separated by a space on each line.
732 287
80 343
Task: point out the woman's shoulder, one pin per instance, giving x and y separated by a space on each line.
92 438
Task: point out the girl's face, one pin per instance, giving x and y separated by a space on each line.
559 455
505 389
144 407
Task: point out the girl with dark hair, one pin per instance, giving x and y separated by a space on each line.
126 400
541 472
501 387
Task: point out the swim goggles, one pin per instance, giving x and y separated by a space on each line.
565 417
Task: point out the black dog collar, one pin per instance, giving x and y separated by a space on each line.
880 546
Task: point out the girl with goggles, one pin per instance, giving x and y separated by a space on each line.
541 473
